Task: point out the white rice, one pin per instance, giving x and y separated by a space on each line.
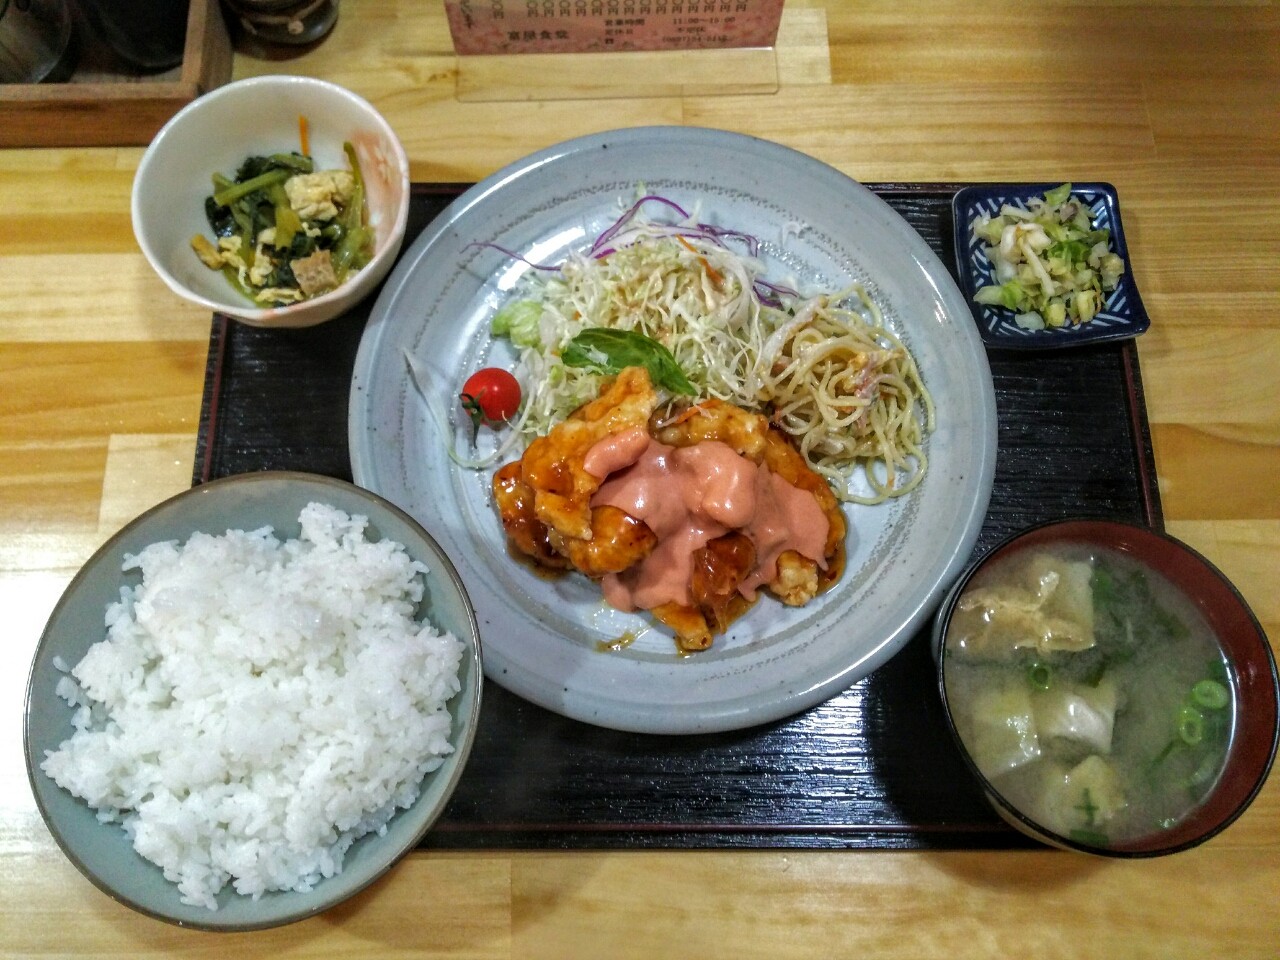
259 705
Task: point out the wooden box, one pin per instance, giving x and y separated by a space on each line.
94 109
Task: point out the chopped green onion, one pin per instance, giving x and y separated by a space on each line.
1087 807
1204 773
1210 694
1190 725
1040 675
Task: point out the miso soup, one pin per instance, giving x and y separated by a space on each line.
1089 691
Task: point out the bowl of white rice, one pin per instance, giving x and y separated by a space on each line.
252 701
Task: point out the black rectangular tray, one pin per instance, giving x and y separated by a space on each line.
871 768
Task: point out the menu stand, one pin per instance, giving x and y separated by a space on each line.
612 49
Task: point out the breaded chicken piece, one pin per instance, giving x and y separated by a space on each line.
782 457
618 541
553 465
690 627
528 534
718 569
798 580
545 503
714 419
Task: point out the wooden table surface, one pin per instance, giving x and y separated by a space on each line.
1177 104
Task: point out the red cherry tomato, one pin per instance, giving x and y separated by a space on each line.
491 395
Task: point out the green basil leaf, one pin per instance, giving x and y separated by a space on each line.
612 351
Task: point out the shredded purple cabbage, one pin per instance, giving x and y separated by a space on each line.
694 231
626 218
770 294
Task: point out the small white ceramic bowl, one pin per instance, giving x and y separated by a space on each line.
260 115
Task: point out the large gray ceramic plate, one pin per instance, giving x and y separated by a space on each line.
102 851
543 637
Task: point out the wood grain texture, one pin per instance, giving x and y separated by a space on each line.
101 371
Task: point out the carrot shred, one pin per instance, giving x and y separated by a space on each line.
304 136
712 272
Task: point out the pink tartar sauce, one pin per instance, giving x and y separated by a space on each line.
690 495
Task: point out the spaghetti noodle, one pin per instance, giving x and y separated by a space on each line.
849 392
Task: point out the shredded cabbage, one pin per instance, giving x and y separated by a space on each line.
823 367
1051 264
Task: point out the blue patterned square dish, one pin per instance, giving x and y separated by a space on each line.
1122 314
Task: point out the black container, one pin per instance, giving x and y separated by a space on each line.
149 35
285 22
37 41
